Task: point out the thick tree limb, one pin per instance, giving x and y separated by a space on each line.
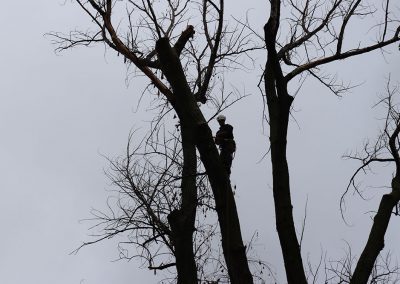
183 39
191 117
341 56
119 46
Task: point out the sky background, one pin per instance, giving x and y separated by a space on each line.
60 113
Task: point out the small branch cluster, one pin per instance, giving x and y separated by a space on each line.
318 33
386 146
142 23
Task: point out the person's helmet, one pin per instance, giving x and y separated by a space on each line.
221 117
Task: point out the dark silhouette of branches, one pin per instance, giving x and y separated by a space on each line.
384 150
184 48
327 271
148 191
341 271
217 47
147 182
155 37
316 34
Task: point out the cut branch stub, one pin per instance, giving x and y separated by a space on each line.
183 39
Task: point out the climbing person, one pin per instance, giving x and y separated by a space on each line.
224 139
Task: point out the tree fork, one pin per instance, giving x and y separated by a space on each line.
190 114
279 103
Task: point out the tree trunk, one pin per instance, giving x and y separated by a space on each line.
283 211
279 103
190 114
232 243
376 239
182 221
279 116
182 237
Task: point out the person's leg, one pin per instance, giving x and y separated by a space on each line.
226 158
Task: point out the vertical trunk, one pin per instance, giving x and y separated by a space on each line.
279 103
376 239
182 237
182 221
279 116
232 243
190 115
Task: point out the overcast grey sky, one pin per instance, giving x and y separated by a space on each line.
60 113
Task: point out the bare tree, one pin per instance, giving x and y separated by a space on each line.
384 150
154 37
384 270
316 35
148 196
148 192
